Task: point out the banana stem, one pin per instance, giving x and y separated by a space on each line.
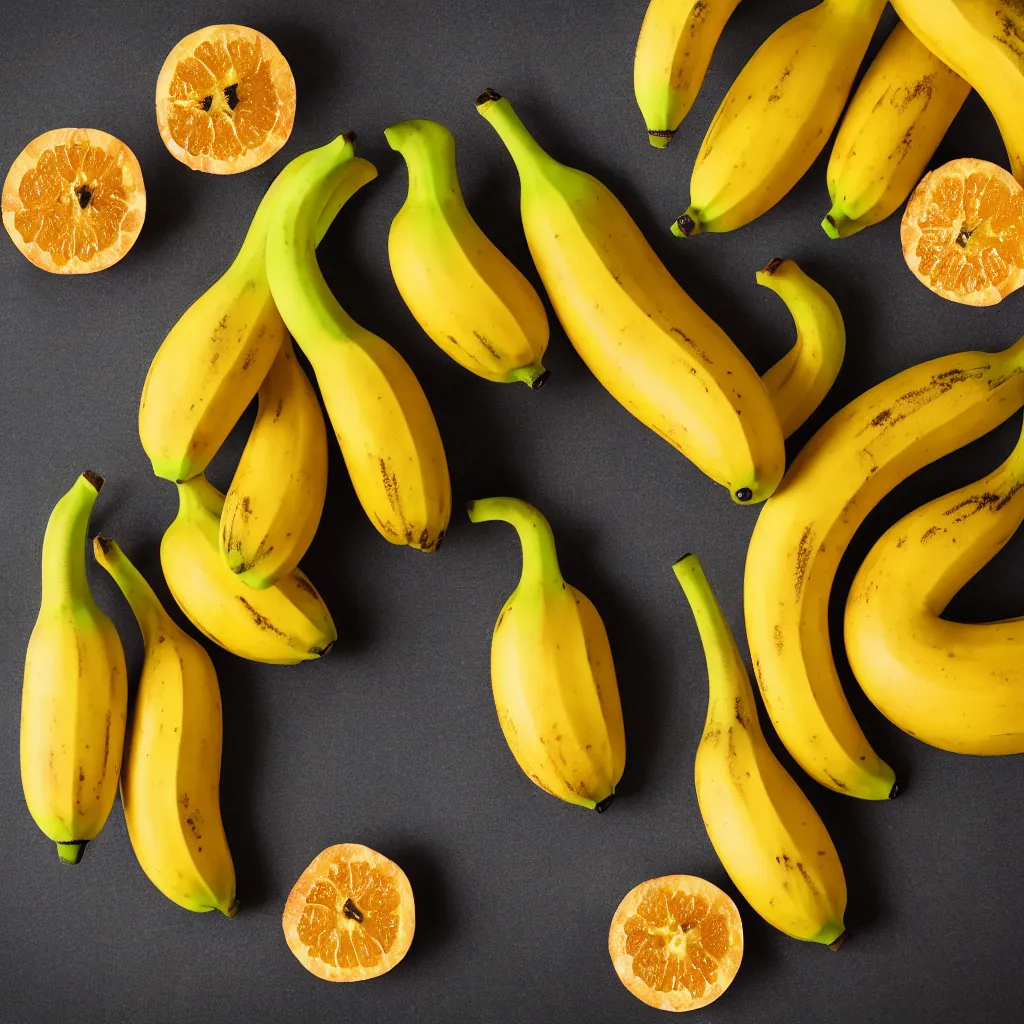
199 493
64 578
428 149
523 147
145 605
540 560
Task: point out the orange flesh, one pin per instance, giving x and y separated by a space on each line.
330 925
74 201
676 941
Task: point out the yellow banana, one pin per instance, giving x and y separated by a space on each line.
276 497
472 302
654 349
552 672
382 419
802 378
899 114
850 464
171 778
766 833
778 115
983 42
954 685
210 365
676 42
282 625
75 694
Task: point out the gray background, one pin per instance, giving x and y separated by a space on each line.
392 740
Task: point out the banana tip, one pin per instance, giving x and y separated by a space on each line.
830 225
772 265
102 545
232 907
604 804
94 479
659 139
349 136
686 226
895 791
71 851
834 945
487 96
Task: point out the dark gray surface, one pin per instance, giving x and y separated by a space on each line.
392 740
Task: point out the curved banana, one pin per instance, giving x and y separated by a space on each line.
778 115
655 350
677 39
74 698
767 835
209 367
472 302
983 42
276 497
954 685
552 672
282 625
171 778
800 380
382 419
850 464
901 110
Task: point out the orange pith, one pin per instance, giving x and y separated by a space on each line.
225 99
74 201
350 916
676 942
963 232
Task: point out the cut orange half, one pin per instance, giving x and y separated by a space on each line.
225 99
73 201
350 915
676 942
963 232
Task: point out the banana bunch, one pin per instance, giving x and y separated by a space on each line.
778 115
899 114
276 497
677 39
766 833
552 672
680 374
171 777
981 41
850 464
75 692
954 685
282 624
381 417
471 301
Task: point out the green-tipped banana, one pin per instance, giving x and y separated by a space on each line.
75 694
171 778
552 672
471 301
766 833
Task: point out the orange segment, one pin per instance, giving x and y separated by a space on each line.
676 942
74 201
350 915
963 232
225 99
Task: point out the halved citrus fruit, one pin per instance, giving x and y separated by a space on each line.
963 232
350 915
225 99
676 942
74 201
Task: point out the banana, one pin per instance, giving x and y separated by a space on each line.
209 367
983 42
642 336
282 625
276 497
171 778
778 115
850 464
552 672
383 421
901 110
766 833
953 685
802 378
75 694
677 39
471 301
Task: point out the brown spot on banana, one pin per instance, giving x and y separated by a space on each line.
260 619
